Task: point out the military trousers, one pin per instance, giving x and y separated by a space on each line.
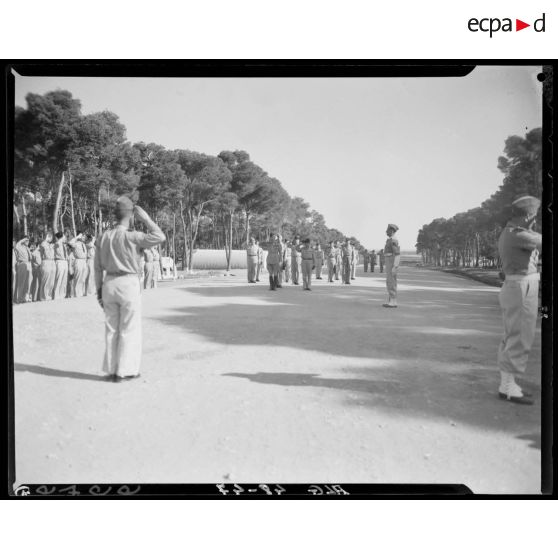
296 271
391 277
60 279
287 271
48 274
252 268
35 282
519 301
319 267
23 281
330 269
307 273
148 275
90 280
122 306
80 276
346 270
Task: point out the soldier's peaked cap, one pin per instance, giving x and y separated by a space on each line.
529 204
392 226
124 203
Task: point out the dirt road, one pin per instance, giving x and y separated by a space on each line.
240 384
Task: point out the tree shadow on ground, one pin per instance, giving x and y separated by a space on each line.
45 371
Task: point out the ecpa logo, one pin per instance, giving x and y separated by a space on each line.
492 25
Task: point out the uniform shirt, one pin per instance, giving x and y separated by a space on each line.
47 250
392 247
348 252
275 253
252 251
59 250
519 250
333 253
307 254
319 254
118 251
22 253
79 248
36 258
295 253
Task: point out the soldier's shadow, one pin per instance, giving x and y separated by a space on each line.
45 371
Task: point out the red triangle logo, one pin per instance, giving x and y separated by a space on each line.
519 25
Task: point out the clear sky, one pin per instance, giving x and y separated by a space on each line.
364 152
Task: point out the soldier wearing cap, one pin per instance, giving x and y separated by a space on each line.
252 257
119 293
80 264
296 260
348 255
332 254
48 268
392 257
308 257
274 260
519 247
23 270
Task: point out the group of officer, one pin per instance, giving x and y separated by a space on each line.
290 260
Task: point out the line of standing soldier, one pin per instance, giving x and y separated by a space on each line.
57 267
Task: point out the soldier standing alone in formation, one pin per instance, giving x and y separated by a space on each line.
392 258
519 247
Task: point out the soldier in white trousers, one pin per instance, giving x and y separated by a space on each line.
80 265
252 260
392 254
519 247
23 270
118 255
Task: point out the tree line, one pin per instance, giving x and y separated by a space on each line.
69 168
469 239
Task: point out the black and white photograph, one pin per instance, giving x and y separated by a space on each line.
244 280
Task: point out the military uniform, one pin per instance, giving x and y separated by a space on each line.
61 274
156 266
308 258
372 261
348 255
338 263
23 271
319 255
118 256
252 257
279 283
366 260
148 269
296 263
519 248
48 270
36 273
332 257
354 263
274 260
259 266
90 281
80 267
392 256
382 259
288 258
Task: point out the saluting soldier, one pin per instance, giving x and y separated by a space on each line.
118 293
252 257
61 264
339 262
519 247
348 260
35 271
296 260
23 270
80 264
392 258
382 259
274 259
372 261
308 257
331 261
48 268
319 257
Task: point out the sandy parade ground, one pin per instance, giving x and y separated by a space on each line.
241 384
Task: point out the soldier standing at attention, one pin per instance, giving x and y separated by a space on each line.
119 294
392 257
296 260
382 259
80 265
90 281
259 265
348 259
518 247
252 258
274 259
372 260
331 261
339 262
48 268
288 257
354 263
319 257
366 260
61 263
35 270
308 257
281 263
148 268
